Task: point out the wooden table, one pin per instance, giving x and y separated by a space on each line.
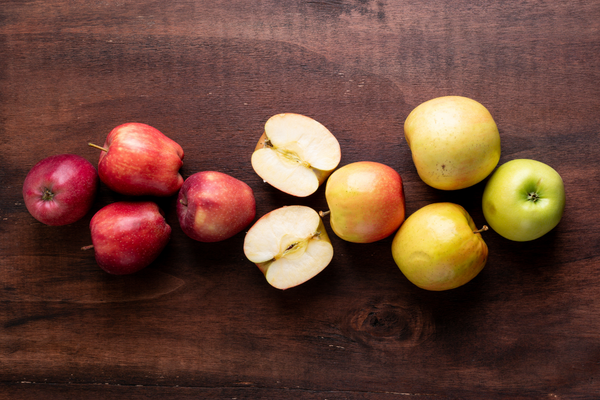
201 321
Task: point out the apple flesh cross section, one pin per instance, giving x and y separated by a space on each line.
295 154
289 245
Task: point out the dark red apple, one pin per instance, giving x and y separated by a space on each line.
60 189
127 236
139 160
213 206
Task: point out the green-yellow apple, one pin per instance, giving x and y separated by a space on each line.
127 236
289 245
439 248
366 201
523 200
60 189
295 154
138 160
213 206
454 142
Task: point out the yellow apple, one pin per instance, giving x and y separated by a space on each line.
454 142
439 248
366 201
295 154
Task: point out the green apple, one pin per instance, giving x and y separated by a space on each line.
454 142
438 247
366 201
523 200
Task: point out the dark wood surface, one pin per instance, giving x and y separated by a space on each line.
201 321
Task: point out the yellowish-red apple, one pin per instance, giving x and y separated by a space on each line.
366 201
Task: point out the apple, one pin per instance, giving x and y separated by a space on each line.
289 245
439 248
454 142
213 206
366 201
139 160
127 236
60 189
523 200
295 154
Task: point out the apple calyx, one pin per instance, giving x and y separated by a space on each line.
533 196
483 229
48 194
98 147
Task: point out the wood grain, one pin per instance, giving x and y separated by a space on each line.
201 321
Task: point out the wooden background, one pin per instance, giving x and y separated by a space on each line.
201 321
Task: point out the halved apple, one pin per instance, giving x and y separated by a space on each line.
295 154
289 245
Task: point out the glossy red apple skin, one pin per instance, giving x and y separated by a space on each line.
127 236
140 160
60 189
213 206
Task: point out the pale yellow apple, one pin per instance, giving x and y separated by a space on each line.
295 154
454 142
366 201
439 247
289 245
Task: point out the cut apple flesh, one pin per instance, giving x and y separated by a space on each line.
289 245
295 154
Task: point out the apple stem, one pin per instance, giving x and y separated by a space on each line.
324 213
91 246
97 147
483 229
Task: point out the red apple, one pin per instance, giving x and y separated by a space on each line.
213 206
139 160
60 189
127 236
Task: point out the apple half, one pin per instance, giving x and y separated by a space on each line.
289 245
295 154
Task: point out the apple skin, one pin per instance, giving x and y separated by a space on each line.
128 236
454 142
213 206
439 248
139 160
366 201
523 200
60 189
